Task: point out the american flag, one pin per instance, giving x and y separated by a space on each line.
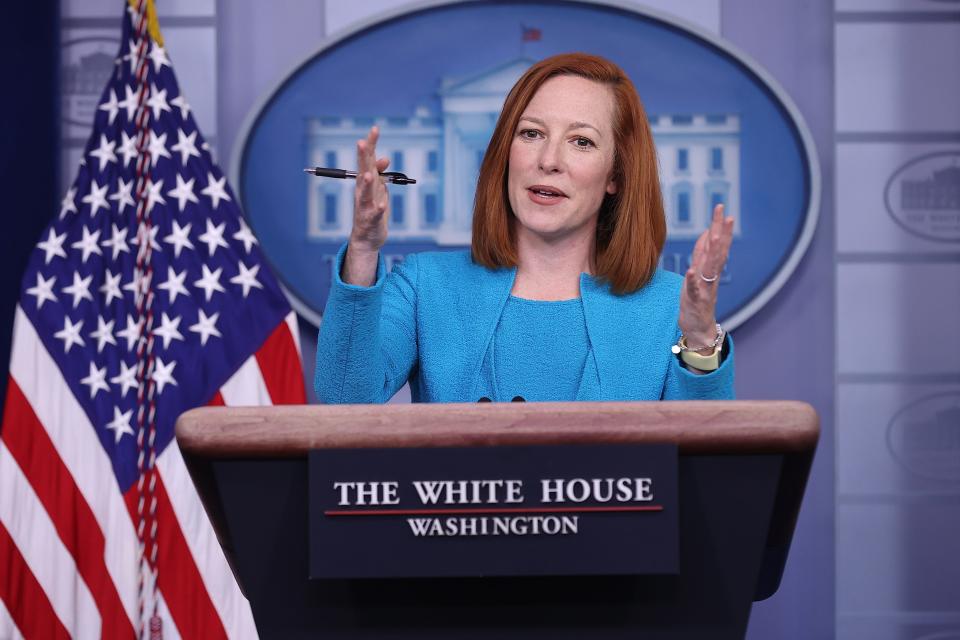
530 34
146 296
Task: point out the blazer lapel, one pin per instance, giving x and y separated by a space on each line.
482 296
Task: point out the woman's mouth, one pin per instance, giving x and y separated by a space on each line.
542 194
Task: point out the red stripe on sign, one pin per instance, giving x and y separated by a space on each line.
179 579
280 366
217 400
521 510
24 597
30 445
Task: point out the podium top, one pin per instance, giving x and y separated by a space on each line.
697 427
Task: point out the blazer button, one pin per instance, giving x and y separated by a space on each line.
484 399
518 399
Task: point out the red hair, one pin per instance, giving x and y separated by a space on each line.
631 228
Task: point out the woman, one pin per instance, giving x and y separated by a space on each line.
560 297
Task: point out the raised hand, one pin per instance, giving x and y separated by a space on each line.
371 211
698 297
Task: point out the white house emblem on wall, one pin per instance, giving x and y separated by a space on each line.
923 196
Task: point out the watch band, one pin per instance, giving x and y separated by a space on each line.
701 362
691 358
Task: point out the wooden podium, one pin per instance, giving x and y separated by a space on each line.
743 467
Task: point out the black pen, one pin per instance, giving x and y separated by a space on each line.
390 176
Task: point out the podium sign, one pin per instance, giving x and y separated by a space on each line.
493 511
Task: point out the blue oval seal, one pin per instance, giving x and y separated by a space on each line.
924 437
923 196
434 79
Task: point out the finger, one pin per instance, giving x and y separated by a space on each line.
382 164
366 151
712 263
716 222
691 282
363 147
696 260
720 247
371 147
365 188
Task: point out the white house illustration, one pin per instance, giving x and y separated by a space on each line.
699 163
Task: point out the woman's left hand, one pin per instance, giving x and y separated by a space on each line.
698 297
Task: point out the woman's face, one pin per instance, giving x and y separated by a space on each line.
561 159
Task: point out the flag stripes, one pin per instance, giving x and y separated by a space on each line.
33 451
230 604
275 359
180 580
31 530
31 612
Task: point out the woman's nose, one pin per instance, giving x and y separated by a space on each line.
550 157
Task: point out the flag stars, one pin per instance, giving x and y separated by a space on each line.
43 290
168 330
68 204
111 106
131 333
183 192
159 57
126 379
120 425
80 289
186 146
245 236
179 238
210 281
216 190
158 101
88 244
117 242
124 195
111 287
70 334
132 48
96 380
129 102
157 146
163 374
174 284
104 333
128 149
247 278
97 198
180 103
53 246
136 286
206 326
104 153
213 236
153 194
151 234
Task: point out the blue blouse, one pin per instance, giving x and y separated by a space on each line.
540 348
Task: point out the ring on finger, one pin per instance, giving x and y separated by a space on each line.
710 279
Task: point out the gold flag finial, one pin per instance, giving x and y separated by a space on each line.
153 25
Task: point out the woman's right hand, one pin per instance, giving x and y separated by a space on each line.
371 214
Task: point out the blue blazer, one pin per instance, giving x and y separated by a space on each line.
431 321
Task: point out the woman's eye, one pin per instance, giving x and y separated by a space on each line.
582 142
529 134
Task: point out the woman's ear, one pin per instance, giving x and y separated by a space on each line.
611 186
